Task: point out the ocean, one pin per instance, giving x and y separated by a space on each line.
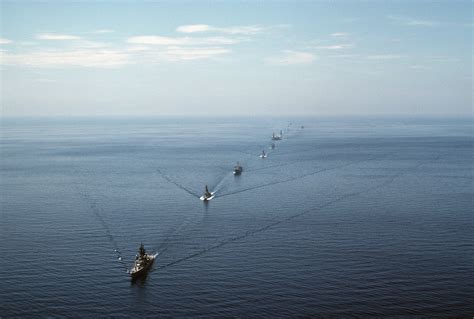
345 217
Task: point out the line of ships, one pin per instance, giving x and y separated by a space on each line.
143 260
207 196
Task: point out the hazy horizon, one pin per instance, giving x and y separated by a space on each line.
221 59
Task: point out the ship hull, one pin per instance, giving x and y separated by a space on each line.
142 271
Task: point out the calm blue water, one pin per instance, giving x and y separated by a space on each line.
346 217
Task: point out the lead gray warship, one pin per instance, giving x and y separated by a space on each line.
142 263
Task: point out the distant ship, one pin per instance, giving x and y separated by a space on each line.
275 137
263 155
238 169
143 262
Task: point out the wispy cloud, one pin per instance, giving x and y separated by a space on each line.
408 21
90 54
197 42
174 49
236 30
290 57
193 28
109 58
339 34
57 36
58 58
159 40
335 46
5 41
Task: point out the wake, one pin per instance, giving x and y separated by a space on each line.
291 217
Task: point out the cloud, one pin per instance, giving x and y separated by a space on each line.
157 49
384 57
290 57
339 34
192 28
59 58
141 49
335 46
242 30
159 40
57 36
109 58
5 41
412 22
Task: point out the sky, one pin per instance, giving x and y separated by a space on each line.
216 58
